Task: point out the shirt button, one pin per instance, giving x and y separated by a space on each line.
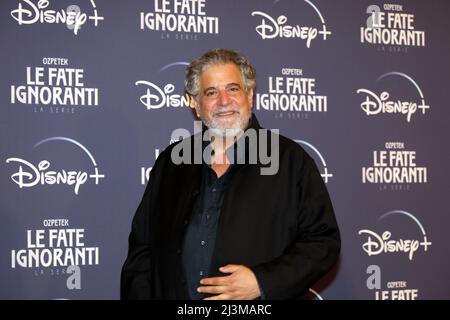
201 272
208 216
203 242
214 189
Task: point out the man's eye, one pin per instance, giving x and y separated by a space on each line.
210 93
234 89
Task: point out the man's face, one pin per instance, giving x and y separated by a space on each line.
223 102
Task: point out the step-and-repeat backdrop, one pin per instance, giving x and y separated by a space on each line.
90 92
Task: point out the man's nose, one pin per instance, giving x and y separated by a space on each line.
224 98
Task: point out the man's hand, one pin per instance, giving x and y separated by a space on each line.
241 284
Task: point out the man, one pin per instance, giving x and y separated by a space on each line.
223 228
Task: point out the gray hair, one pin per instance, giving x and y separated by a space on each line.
218 56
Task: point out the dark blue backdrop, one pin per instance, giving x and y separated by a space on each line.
91 91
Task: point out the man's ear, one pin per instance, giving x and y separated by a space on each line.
250 97
192 103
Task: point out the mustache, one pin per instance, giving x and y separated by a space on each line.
219 113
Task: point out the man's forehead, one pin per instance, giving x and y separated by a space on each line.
228 72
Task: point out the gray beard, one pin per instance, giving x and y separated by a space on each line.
230 132
217 130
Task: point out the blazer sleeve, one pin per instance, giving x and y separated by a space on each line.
316 246
137 273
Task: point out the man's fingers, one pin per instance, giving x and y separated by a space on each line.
219 297
229 268
215 281
212 289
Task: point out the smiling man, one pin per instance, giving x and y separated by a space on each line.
231 232
225 101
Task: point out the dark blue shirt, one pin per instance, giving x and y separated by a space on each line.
200 237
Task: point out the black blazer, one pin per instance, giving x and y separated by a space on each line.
281 226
